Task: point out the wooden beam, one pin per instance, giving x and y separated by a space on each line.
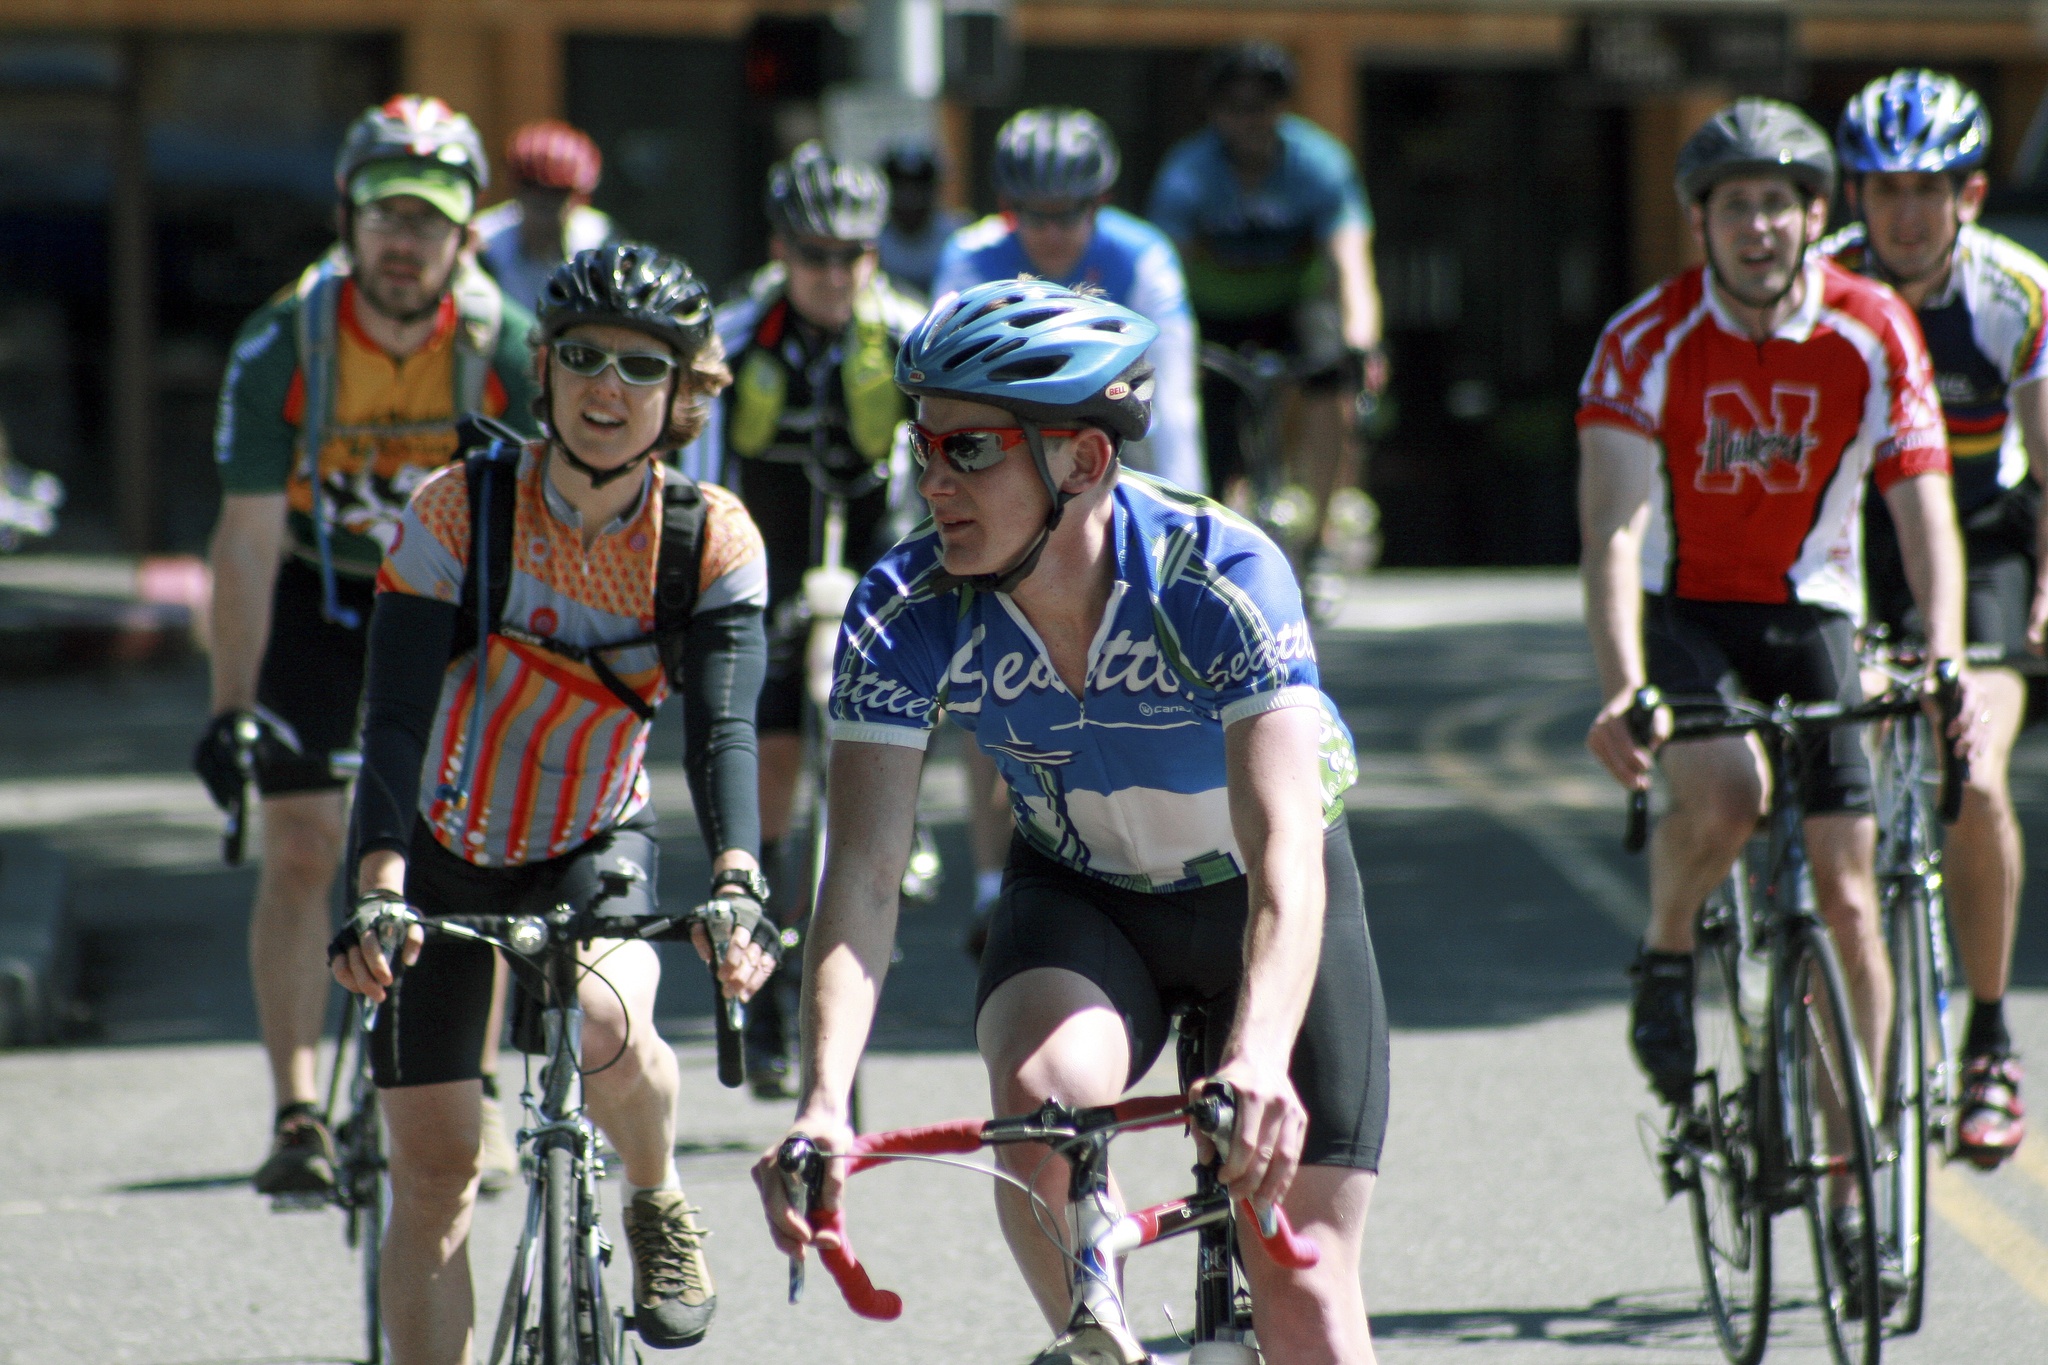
1327 92
1919 40
2021 86
451 57
1661 238
1396 33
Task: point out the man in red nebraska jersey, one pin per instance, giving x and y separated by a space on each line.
1727 426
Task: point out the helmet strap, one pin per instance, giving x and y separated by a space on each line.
1006 580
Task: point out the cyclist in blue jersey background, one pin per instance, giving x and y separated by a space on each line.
1276 236
919 225
1912 147
1053 171
1136 659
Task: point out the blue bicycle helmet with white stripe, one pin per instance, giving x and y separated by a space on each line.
1051 355
1913 120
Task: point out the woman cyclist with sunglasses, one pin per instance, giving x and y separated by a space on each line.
1136 660
504 774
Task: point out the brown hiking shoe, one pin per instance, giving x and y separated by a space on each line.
673 1298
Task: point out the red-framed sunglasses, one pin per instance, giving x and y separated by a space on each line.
972 449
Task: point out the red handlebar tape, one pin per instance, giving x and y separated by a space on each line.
960 1135
1286 1246
859 1291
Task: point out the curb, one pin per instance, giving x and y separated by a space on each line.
38 951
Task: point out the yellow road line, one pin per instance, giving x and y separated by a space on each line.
2032 1163
1990 1229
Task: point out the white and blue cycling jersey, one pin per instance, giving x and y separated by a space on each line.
1127 783
1134 264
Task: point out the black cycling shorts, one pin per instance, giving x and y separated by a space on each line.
312 679
1764 651
1154 954
1311 334
432 1029
780 499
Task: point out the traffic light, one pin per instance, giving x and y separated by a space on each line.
793 58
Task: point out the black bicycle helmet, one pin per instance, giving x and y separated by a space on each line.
1756 136
412 128
1257 60
627 284
1055 154
910 158
815 195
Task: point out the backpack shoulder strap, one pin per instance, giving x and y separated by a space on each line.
480 316
491 472
679 568
319 295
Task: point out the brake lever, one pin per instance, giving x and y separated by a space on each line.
1641 718
803 1172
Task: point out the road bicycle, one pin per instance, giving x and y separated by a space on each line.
1783 1111
555 1310
1098 1330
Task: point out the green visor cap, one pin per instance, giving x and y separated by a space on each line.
446 188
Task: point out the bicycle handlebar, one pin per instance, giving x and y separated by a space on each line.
802 1166
1702 717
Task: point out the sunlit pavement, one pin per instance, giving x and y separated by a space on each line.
1518 1218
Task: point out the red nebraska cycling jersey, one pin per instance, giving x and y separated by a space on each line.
1766 446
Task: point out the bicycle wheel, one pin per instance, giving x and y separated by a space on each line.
1830 1142
560 1270
1718 1147
1902 1180
369 1205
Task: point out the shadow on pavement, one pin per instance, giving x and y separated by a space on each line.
1664 1319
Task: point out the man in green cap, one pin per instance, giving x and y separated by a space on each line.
341 395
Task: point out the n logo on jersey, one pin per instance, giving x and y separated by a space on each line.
1741 439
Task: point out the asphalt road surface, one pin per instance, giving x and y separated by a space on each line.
1518 1218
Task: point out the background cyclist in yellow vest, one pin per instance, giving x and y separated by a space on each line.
813 410
340 397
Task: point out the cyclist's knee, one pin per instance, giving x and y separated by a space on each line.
302 837
436 1137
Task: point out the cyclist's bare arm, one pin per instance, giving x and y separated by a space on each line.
1924 509
1276 813
873 793
1617 473
2029 403
1358 291
247 543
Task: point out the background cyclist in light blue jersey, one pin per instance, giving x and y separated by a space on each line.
1137 659
1273 227
1053 171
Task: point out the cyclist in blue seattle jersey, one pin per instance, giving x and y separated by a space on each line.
1136 659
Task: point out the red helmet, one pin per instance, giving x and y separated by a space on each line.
549 154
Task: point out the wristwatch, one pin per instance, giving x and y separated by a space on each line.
745 879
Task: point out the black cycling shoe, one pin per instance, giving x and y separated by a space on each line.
301 1160
1660 1023
1845 1226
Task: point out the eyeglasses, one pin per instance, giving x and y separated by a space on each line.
971 449
430 227
635 367
1070 216
823 257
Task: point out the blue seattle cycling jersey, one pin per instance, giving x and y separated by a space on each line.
1135 265
1256 251
1204 628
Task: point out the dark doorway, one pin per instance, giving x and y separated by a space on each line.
1500 208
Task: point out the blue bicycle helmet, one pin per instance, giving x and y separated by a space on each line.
1055 154
1052 356
1913 120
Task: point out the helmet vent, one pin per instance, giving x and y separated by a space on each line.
1034 317
967 353
1033 367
